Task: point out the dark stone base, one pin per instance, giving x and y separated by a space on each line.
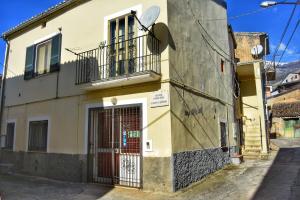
192 166
64 167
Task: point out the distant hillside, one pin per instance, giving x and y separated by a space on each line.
282 70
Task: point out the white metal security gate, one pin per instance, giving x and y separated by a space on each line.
116 135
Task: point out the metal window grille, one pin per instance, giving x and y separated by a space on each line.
223 134
9 139
38 131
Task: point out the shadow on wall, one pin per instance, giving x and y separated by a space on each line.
205 125
162 33
192 167
46 86
282 180
59 84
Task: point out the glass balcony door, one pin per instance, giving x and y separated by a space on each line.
122 46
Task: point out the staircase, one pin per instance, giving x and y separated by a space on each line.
252 140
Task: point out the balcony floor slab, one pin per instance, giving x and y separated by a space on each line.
122 81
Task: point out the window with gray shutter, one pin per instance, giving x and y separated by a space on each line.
29 63
55 53
38 132
43 57
10 131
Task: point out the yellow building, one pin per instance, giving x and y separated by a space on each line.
250 70
90 97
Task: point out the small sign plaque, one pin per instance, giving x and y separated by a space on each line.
124 139
159 99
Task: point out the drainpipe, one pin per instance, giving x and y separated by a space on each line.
2 96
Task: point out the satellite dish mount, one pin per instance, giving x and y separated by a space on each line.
147 19
133 12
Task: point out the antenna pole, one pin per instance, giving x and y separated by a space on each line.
71 51
144 28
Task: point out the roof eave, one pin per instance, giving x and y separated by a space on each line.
37 18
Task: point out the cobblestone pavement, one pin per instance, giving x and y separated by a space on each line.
276 178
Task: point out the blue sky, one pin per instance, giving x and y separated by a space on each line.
271 21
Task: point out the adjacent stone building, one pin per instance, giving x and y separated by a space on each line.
251 75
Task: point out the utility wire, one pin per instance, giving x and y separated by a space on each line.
247 13
240 15
291 37
214 49
219 49
284 32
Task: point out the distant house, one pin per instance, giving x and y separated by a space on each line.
286 119
269 90
284 107
292 77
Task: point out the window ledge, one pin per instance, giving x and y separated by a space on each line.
42 75
5 149
45 152
122 81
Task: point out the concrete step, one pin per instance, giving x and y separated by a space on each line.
251 151
252 133
251 146
253 143
252 136
253 139
252 127
252 130
251 157
6 168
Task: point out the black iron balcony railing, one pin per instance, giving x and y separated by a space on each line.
124 58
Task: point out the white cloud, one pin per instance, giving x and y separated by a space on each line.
282 46
290 51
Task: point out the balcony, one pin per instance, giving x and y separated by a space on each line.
126 62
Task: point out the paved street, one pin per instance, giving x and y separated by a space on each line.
276 178
283 178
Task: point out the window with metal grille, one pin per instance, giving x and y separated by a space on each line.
9 139
223 136
38 131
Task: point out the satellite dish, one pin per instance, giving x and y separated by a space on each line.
257 50
149 17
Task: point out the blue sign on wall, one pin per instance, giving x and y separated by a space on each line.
124 138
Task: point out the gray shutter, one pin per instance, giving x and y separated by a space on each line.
55 53
29 62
